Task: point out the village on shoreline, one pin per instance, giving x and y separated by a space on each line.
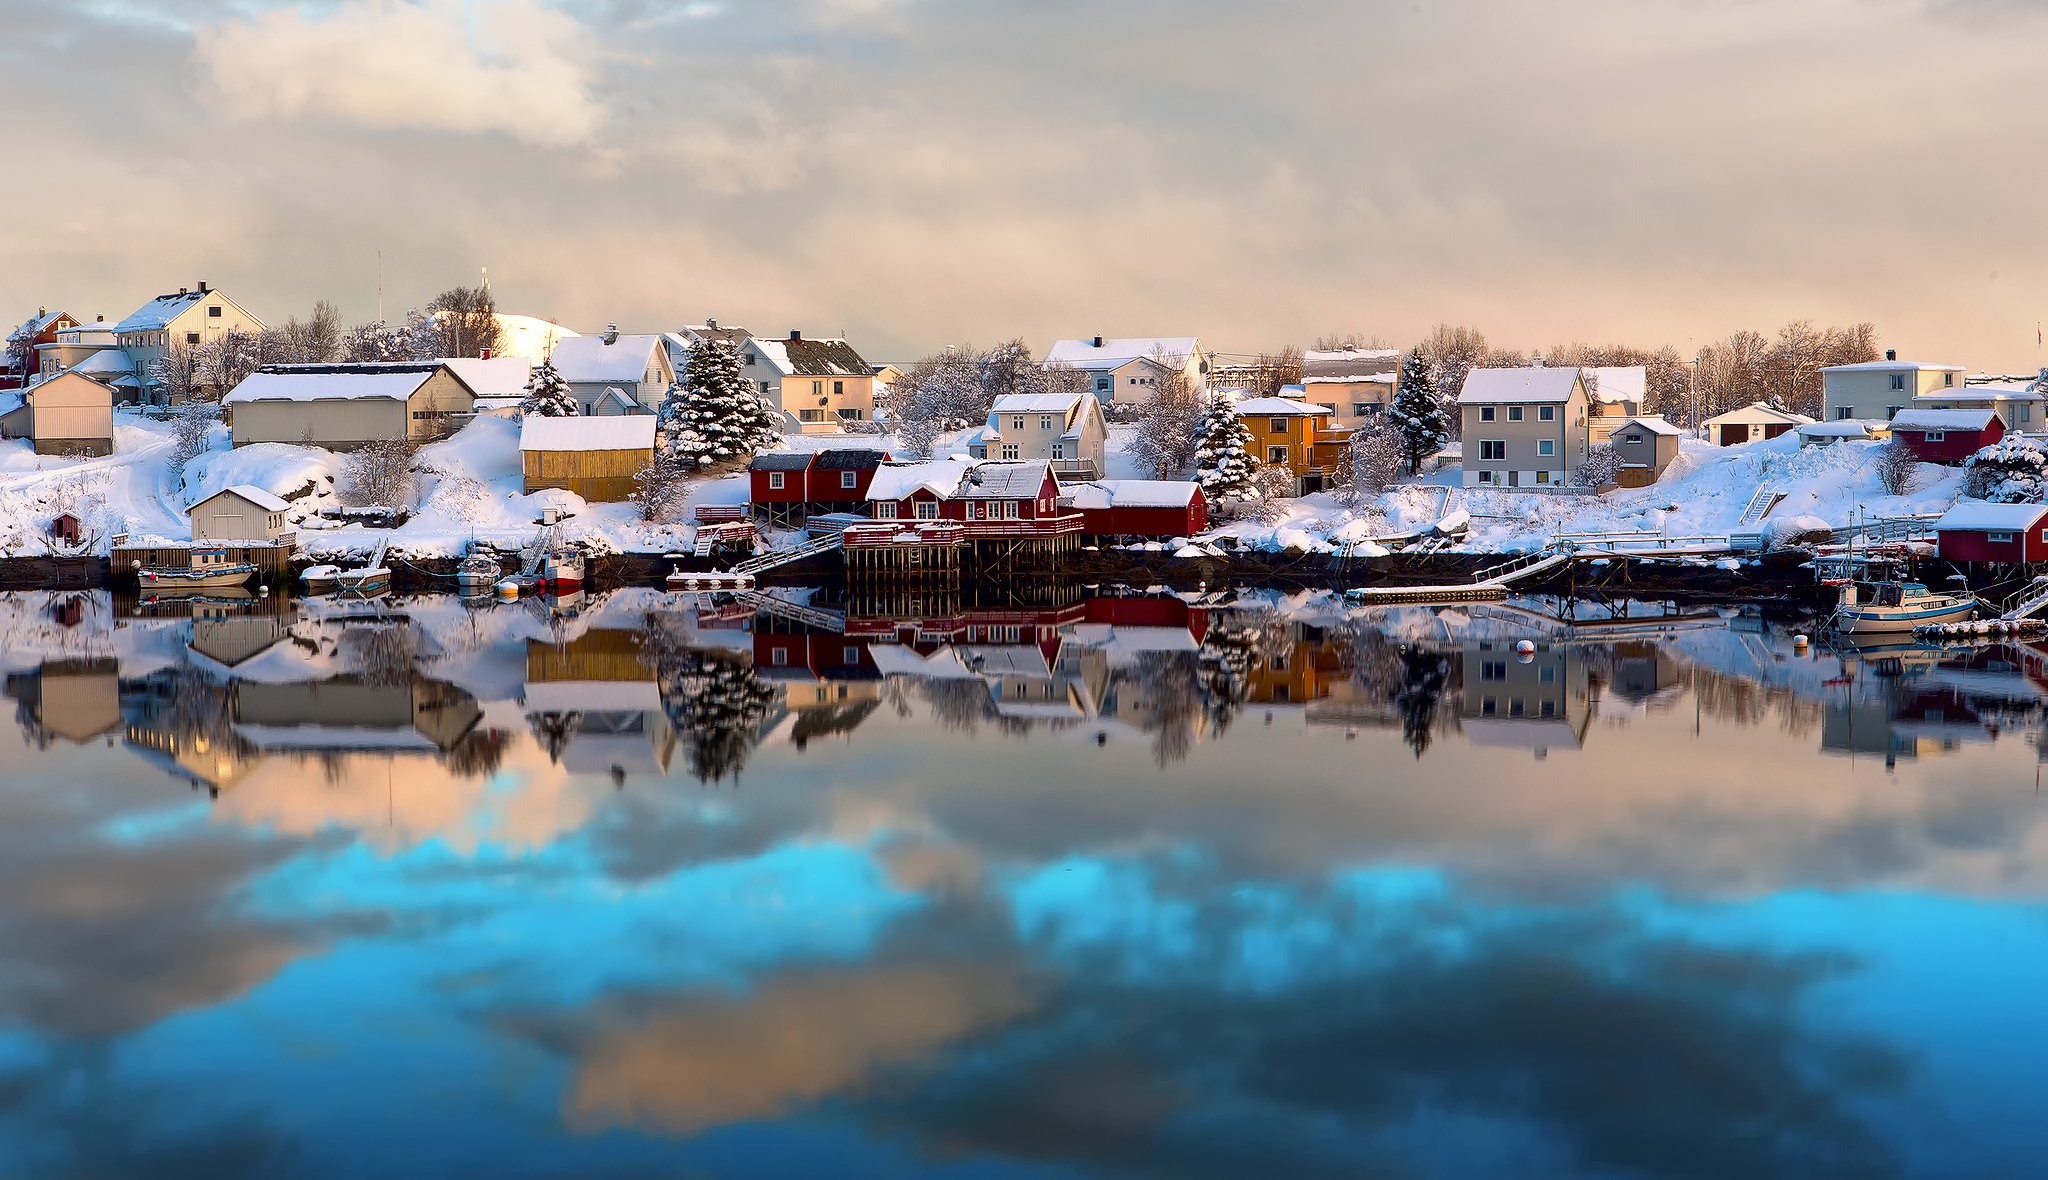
189 445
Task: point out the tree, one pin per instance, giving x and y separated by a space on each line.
191 429
1450 353
1168 427
19 357
660 488
713 417
379 475
2013 470
372 343
1422 686
1223 459
1417 412
1374 458
1895 467
1601 466
459 322
1007 370
174 377
941 393
717 704
1347 341
225 360
547 394
306 342
1278 370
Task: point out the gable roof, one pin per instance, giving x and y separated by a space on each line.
1116 353
780 461
1892 367
1274 406
899 481
1536 383
830 357
1018 480
498 376
1756 412
252 494
585 360
1943 419
1652 423
1332 366
161 311
39 323
1039 403
851 459
1133 493
626 432
734 336
389 381
1979 514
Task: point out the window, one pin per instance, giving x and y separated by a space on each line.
764 388
849 655
1486 413
1546 414
1550 708
1518 707
775 480
2026 412
886 510
1493 450
849 479
1013 509
1017 423
1059 450
1361 409
1493 670
852 413
1845 413
1891 412
1514 413
1276 454
1999 538
1898 380
1045 421
1934 436
1277 425
1102 385
811 414
1546 446
1009 450
1546 674
213 313
1542 477
1486 477
779 657
1948 379
838 387
1488 708
1632 440
191 337
818 388
927 510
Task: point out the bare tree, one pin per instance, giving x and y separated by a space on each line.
1895 467
1373 460
191 428
1168 427
1278 370
660 489
459 322
379 475
175 375
226 360
1345 341
1601 466
373 342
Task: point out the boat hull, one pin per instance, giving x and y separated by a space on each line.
1878 620
162 581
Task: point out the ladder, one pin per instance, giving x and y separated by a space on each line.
769 561
810 616
1760 505
530 567
2031 599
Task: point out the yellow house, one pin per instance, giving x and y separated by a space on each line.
348 406
185 318
1287 433
67 415
821 386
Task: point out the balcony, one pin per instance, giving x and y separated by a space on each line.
1075 470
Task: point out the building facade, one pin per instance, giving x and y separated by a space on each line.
1523 428
1875 390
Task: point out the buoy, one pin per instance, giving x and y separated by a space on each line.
1799 641
1526 648
508 589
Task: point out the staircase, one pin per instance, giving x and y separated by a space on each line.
769 561
1759 506
2031 599
529 566
810 616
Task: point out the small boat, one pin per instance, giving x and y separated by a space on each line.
477 573
1868 608
681 582
319 579
562 571
210 570
374 580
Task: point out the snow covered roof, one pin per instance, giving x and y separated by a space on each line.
1319 366
39 323
1273 406
105 361
732 335
529 337
1892 367
830 357
498 376
1977 514
1840 428
393 381
1651 423
1538 383
624 432
1116 353
1756 412
1036 403
158 312
1618 383
851 458
1979 395
252 494
780 461
898 481
588 359
1131 493
1942 419
1019 480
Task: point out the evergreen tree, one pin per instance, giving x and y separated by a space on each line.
1418 413
1423 674
547 394
1223 459
713 417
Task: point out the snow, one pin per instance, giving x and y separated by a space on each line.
158 313
1840 428
586 360
1618 383
628 433
395 381
1116 353
498 376
1131 493
1978 515
253 495
1892 367
1005 481
1257 406
288 474
1035 403
1653 424
1942 419
529 337
898 481
1978 395
106 360
1503 386
1756 413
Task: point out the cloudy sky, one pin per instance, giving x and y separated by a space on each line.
915 172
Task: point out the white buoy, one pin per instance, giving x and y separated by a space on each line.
1525 648
1799 641
508 589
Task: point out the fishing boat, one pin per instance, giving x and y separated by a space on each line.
319 579
477 573
373 577
211 569
562 571
1868 608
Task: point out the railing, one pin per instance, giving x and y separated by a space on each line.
1638 540
1044 526
720 513
1896 528
2029 602
769 561
1082 469
884 533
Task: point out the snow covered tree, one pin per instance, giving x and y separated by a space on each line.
459 322
2013 470
19 357
713 417
226 360
941 393
1223 458
717 704
1007 369
372 343
1417 412
547 394
1374 458
1168 422
660 489
379 475
1602 464
1895 467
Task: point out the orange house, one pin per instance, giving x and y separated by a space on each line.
1291 434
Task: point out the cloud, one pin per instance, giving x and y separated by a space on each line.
514 67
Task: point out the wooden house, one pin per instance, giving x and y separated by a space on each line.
596 458
964 490
348 406
1139 508
1646 446
69 414
778 484
1290 434
240 513
1976 531
1754 422
840 478
1946 436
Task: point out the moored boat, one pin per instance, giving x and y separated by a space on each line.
1866 608
562 571
211 569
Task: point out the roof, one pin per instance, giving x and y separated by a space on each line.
1132 493
158 313
1651 423
1618 383
498 376
106 360
781 461
1019 480
726 332
1981 395
1943 419
1538 383
393 381
1116 353
898 481
1977 514
1037 403
1891 367
588 359
252 494
625 432
36 325
1348 364
852 458
1756 412
1278 405
1840 428
830 357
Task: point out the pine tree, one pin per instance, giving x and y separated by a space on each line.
713 417
547 394
1418 413
1223 460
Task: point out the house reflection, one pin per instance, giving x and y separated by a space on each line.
594 703
75 701
1538 701
1941 702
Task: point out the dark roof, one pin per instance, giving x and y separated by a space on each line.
852 459
824 358
780 461
339 367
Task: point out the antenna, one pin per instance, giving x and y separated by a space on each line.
380 286
487 280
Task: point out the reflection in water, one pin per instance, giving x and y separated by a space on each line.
1116 883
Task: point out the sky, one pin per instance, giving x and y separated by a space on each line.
920 172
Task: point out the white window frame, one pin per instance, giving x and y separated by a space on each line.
1493 442
1898 380
1934 436
849 480
1486 413
885 510
1542 476
2000 538
776 480
1546 447
927 509
1546 413
1276 425
1276 455
1010 451
1514 413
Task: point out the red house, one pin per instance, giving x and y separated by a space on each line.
1148 508
1946 436
964 490
778 483
41 328
1979 532
839 478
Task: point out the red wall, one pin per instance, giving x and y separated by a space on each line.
791 492
1957 446
1974 545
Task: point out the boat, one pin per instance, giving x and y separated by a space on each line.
477 573
373 580
681 582
562 571
319 579
1868 608
211 569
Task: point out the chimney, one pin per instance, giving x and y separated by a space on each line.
99 319
709 322
795 335
184 290
487 354
1098 342
203 288
1891 354
611 334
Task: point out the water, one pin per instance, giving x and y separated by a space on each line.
1115 887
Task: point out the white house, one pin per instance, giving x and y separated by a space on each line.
1523 427
1875 390
1127 371
821 384
1751 423
499 382
1065 429
615 374
239 513
185 318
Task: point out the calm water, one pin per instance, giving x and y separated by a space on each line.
1117 887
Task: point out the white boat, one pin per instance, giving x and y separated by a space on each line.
562 571
477 573
374 580
210 570
1866 608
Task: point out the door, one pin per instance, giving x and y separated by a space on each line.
1514 479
